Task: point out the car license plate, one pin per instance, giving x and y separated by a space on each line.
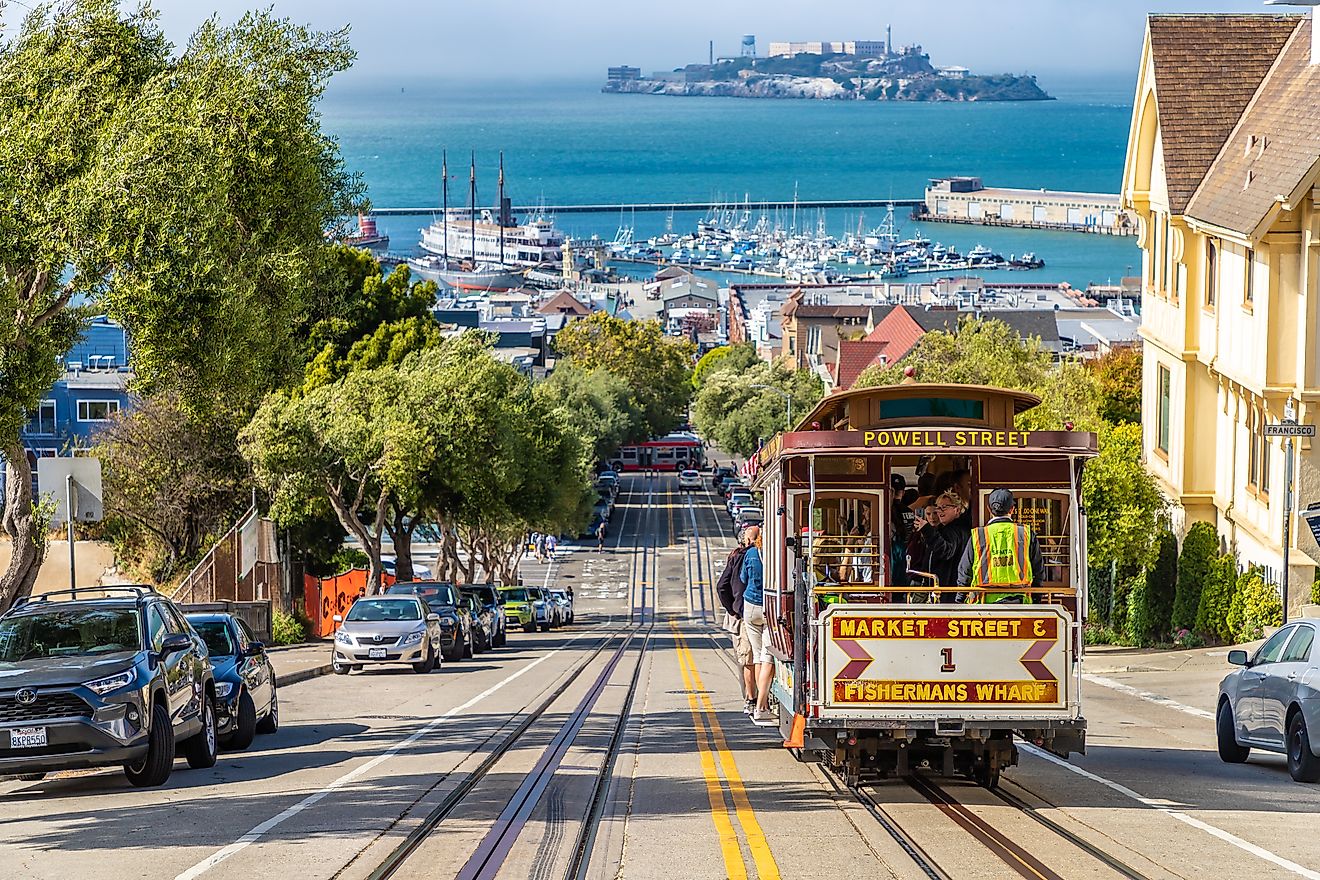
27 737
375 653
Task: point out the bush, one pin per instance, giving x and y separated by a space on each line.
1187 639
1099 595
1255 605
1315 587
1198 553
349 558
1142 626
1157 597
1098 634
1216 598
287 629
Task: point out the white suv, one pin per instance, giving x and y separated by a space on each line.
689 479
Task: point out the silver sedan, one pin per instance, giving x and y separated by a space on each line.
1273 702
380 630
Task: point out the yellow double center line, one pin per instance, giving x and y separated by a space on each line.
714 749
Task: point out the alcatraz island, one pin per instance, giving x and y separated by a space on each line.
849 70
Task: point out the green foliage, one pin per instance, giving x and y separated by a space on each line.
287 629
656 367
735 358
1118 384
1099 634
1254 606
1217 599
1099 594
1151 595
1140 624
1198 553
736 416
1126 512
599 405
1315 587
1188 640
347 559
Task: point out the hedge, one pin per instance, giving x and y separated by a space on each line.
1198 553
1255 605
1217 598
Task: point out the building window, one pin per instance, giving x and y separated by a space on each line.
1258 453
97 410
1211 272
1249 294
42 419
1165 379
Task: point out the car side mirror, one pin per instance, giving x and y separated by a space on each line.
173 644
433 618
338 618
256 649
1239 658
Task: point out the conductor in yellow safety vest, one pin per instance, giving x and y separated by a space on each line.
1002 554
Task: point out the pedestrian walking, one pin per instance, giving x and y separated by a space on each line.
1002 554
753 576
600 537
540 548
551 544
729 590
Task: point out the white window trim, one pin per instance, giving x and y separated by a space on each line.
109 411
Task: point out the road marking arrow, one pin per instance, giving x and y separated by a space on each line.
858 659
1032 660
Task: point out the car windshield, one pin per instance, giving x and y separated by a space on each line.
384 609
535 595
219 643
515 595
691 474
431 593
69 632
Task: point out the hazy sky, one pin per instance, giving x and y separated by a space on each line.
560 39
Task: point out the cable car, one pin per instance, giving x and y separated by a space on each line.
673 452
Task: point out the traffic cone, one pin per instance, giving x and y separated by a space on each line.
796 735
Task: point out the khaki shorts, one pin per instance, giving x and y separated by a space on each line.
754 631
742 648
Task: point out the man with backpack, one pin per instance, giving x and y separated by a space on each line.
729 590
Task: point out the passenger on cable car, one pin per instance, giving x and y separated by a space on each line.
947 541
1002 554
918 551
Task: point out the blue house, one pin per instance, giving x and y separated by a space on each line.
94 388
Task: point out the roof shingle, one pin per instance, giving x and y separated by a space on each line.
1207 67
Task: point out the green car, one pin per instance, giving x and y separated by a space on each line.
527 606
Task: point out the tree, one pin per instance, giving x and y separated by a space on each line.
599 405
186 196
657 368
736 416
735 358
173 477
1118 384
1199 549
1150 603
1126 512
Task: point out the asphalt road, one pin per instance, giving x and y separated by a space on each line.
636 754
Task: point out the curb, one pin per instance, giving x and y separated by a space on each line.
302 675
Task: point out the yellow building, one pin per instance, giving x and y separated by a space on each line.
1222 166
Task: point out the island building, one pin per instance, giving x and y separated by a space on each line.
623 73
1222 168
968 200
860 48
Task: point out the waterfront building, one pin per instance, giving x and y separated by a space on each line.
860 48
968 200
1222 165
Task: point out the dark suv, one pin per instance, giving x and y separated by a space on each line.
492 601
102 676
456 624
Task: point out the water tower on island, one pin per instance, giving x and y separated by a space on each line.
749 46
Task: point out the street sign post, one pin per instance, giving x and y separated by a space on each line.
80 479
1288 429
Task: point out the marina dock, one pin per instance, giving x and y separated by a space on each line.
665 207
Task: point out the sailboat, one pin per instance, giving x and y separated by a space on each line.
478 239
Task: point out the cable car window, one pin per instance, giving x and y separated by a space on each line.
937 407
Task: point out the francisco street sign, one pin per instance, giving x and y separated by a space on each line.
1286 430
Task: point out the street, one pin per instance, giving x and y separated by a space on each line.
617 748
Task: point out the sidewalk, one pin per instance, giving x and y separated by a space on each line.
298 663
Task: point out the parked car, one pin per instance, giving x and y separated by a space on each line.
518 607
483 622
728 483
749 515
610 481
245 699
564 600
442 598
387 630
489 596
543 610
689 479
718 474
1273 702
120 678
737 497
420 572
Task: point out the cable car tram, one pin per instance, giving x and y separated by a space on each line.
673 452
880 667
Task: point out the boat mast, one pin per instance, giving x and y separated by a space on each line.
472 200
444 201
500 209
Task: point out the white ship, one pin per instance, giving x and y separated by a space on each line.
483 239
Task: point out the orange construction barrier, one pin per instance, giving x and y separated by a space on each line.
323 598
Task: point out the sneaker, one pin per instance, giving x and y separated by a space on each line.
764 718
749 707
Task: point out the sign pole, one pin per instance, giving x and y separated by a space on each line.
68 510
1287 522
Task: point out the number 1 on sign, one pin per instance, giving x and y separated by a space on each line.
947 654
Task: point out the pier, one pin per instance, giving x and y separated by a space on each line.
665 207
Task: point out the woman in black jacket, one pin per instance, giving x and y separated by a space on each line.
947 541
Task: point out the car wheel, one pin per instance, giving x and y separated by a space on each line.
1302 762
529 627
201 749
245 728
339 668
422 667
1230 752
503 638
271 722
155 766
545 627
